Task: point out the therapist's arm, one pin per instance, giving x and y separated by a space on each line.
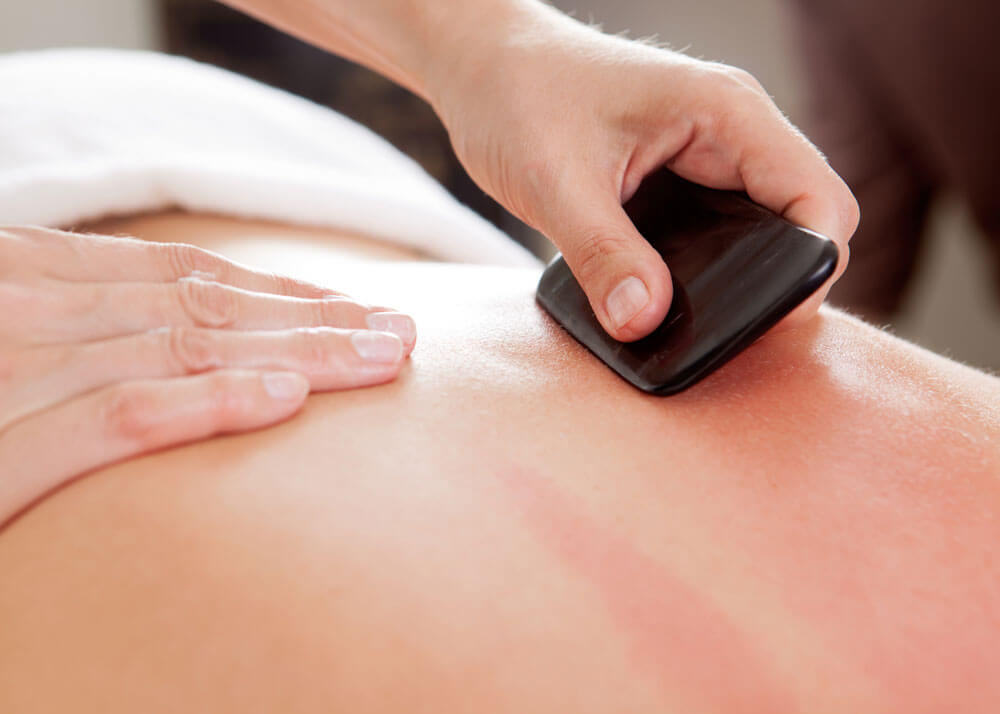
560 123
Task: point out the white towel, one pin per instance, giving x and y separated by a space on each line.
89 133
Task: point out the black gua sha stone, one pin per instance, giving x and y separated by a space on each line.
737 269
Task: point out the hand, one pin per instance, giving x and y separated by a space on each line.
113 347
561 123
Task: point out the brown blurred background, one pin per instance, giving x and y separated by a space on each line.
950 306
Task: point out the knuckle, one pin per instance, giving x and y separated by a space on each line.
335 311
285 285
852 211
737 99
744 78
185 259
305 349
129 414
522 189
208 304
594 250
291 287
313 350
192 350
226 399
179 257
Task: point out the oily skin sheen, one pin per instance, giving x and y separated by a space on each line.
510 527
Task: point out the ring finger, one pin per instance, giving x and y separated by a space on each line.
329 358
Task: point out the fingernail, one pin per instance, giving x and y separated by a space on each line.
382 347
627 300
286 386
395 322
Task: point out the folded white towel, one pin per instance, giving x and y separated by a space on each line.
90 133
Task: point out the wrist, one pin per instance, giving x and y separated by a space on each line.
422 45
464 47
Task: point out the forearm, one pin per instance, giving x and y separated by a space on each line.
413 42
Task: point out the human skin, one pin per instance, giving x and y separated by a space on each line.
510 527
100 336
560 123
556 120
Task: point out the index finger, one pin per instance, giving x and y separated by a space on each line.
788 174
76 257
779 168
742 141
793 179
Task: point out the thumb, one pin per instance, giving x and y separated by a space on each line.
625 279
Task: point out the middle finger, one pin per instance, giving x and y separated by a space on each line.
80 312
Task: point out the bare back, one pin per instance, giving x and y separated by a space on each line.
509 527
